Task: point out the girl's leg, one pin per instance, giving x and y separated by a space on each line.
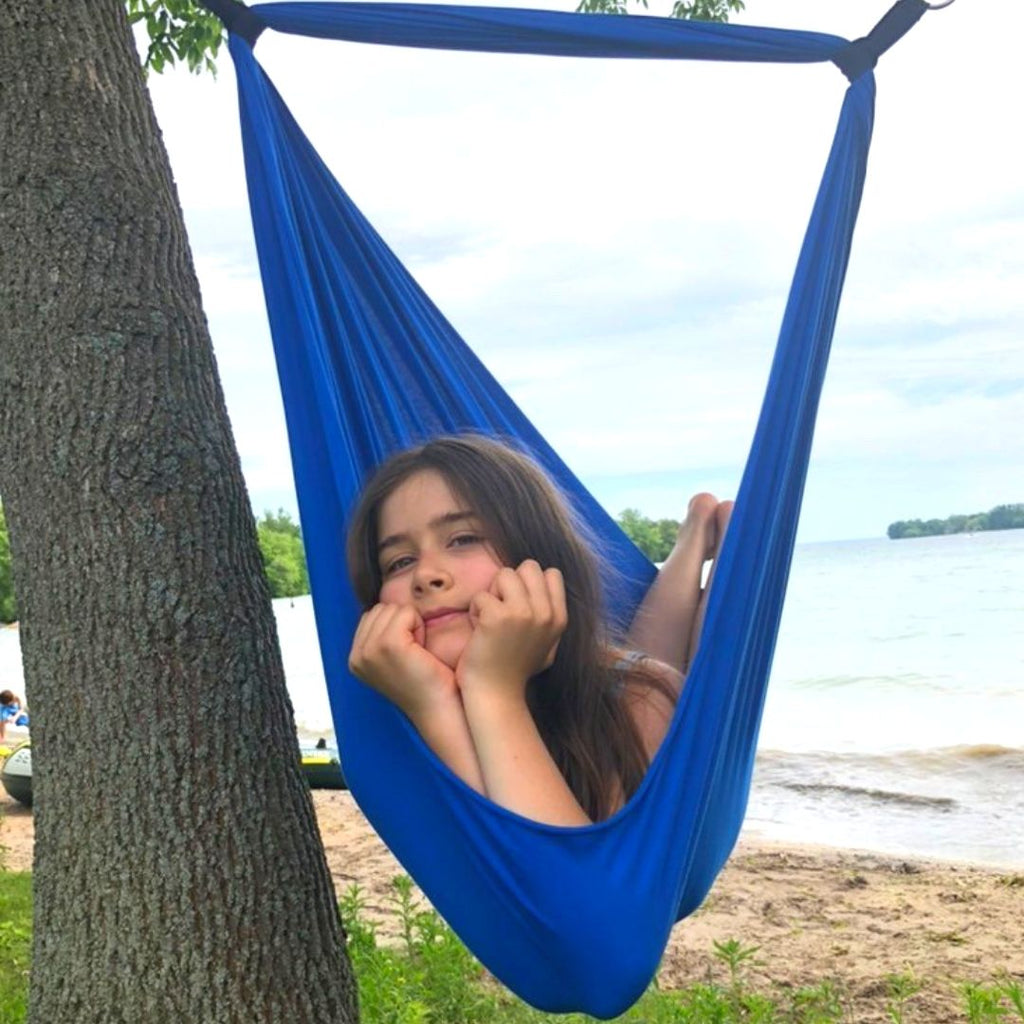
722 514
668 623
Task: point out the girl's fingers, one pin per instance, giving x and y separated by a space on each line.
365 628
546 588
511 597
484 603
378 626
419 629
555 583
525 593
509 589
382 622
535 584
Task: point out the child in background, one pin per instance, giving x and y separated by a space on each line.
11 710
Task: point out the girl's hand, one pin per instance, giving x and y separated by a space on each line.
517 625
388 655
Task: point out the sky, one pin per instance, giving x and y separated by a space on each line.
615 240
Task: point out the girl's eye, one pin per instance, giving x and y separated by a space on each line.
465 539
398 564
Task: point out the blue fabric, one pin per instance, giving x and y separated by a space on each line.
13 715
570 919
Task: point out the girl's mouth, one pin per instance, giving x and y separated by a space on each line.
442 617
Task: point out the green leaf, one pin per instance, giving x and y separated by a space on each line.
697 10
180 31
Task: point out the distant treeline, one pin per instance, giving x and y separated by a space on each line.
654 537
284 560
1002 517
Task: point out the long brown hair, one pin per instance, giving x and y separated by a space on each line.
577 704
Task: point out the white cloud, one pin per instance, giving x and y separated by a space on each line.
616 239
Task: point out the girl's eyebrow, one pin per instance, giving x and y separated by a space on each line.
445 520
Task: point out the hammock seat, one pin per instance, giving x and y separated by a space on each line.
568 918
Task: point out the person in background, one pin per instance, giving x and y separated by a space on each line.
12 710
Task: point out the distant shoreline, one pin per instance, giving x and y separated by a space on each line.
1002 517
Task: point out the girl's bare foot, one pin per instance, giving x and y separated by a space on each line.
698 532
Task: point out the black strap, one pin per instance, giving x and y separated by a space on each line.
238 19
862 54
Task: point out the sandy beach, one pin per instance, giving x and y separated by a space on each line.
816 913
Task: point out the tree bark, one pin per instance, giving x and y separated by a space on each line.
178 874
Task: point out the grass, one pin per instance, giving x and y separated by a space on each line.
15 944
429 977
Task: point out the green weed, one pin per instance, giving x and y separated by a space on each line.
818 1004
993 1003
15 944
429 977
1014 992
901 988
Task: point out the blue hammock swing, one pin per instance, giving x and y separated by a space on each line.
570 919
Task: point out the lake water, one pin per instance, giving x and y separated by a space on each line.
895 714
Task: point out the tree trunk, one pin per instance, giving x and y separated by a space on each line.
179 874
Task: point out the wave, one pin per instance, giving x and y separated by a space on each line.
885 796
940 780
935 759
982 751
912 681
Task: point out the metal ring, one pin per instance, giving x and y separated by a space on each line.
939 6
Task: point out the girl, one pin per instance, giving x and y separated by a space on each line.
483 623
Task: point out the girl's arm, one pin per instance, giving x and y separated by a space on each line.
388 655
519 773
445 730
517 628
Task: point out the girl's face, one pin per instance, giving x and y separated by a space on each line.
435 556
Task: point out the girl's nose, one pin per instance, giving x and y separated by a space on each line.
430 576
